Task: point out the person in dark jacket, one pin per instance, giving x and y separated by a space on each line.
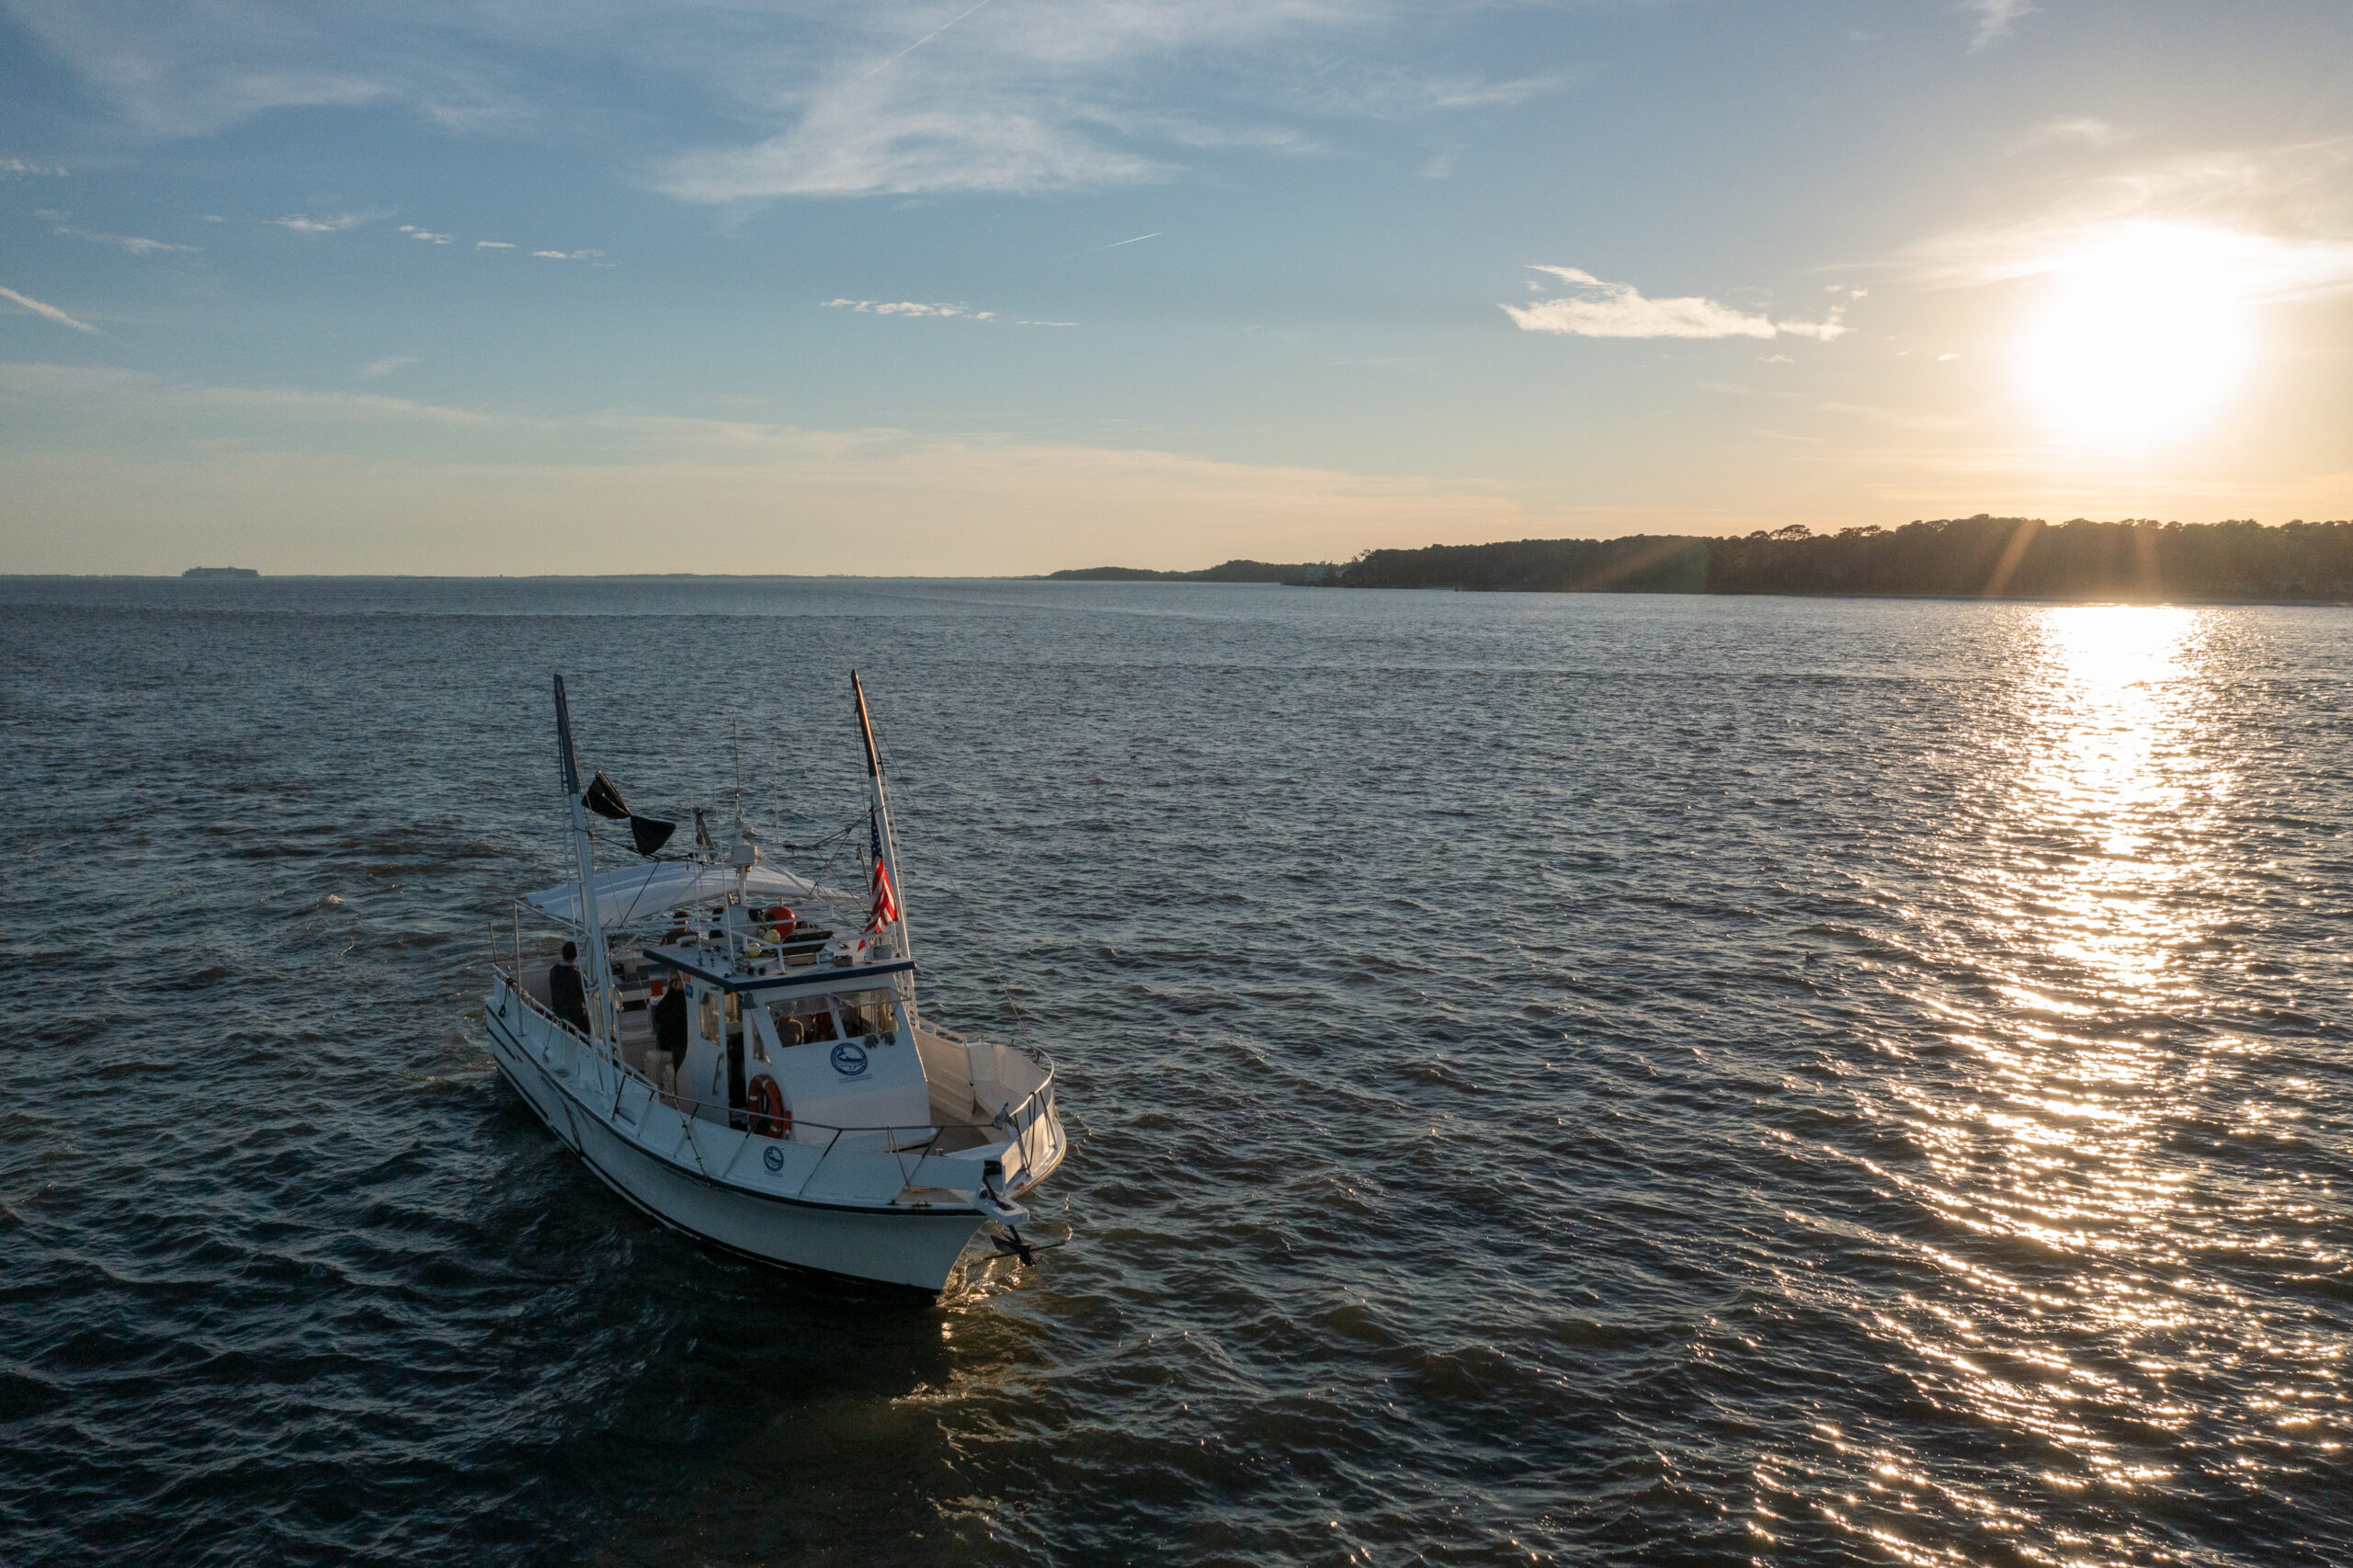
567 993
670 1021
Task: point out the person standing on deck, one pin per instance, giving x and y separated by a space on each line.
567 993
670 1021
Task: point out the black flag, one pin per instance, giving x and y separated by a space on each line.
605 800
648 834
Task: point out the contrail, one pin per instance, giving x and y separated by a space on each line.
52 312
925 39
1115 245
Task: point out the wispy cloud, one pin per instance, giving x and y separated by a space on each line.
1115 245
2255 224
387 365
1028 322
848 149
1475 93
1996 19
52 312
131 243
301 223
189 70
2194 259
1829 330
1069 94
2078 131
1592 308
413 231
570 255
493 245
1041 95
844 98
910 308
13 167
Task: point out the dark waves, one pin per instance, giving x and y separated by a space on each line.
1625 1080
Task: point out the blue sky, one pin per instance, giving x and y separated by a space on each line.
1002 288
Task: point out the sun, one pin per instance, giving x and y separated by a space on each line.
2145 335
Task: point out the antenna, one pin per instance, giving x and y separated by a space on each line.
735 750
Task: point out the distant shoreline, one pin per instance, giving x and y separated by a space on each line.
1953 558
2023 560
1180 580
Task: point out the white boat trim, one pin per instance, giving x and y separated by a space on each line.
1031 1174
855 1244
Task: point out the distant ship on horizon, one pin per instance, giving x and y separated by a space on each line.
220 572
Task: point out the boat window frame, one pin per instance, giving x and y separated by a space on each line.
886 998
825 1009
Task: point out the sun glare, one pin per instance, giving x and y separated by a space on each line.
2147 333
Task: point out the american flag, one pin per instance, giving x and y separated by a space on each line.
886 899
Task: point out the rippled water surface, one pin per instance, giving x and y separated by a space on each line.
1557 1079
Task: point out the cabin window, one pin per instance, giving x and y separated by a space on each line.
867 1012
804 1021
709 1015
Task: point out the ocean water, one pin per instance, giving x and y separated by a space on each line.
1614 1080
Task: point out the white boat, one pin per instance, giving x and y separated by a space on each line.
818 1121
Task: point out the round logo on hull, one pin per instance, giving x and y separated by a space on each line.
849 1060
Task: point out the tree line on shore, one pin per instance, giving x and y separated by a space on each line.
1979 556
1296 575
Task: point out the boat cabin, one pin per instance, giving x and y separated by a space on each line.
752 998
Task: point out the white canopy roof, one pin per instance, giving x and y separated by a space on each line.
630 893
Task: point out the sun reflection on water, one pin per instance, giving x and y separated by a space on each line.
2065 1310
2092 891
2093 883
2099 785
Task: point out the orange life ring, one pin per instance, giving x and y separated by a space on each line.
766 1103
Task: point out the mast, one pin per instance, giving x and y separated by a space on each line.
596 969
886 845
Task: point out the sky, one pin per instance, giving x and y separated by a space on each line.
727 286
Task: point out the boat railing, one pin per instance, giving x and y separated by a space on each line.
813 943
1028 1126
1036 1054
820 932
513 982
1025 1123
1014 1120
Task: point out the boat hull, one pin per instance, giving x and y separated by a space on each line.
913 1249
